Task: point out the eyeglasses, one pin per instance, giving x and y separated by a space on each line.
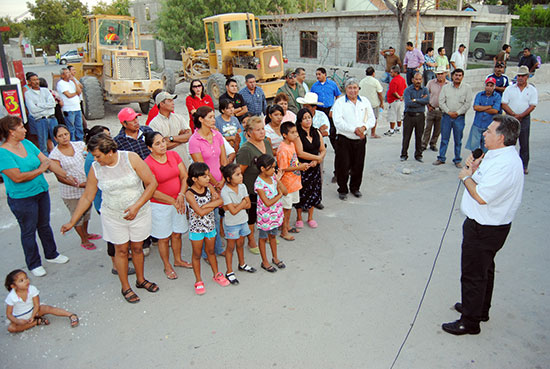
195 86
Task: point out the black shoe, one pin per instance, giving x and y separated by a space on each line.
458 328
231 278
320 206
130 271
419 159
333 180
458 307
342 196
403 158
433 148
357 193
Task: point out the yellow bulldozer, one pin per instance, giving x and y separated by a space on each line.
114 68
233 49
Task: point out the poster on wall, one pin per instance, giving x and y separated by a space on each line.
11 100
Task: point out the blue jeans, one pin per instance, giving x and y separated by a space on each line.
218 248
410 74
44 129
387 78
33 214
457 126
73 120
476 139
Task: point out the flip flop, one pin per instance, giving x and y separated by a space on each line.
186 265
88 246
293 230
74 320
288 238
93 236
172 275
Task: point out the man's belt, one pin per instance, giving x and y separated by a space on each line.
48 117
434 108
414 114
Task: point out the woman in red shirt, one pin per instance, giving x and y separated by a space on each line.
197 99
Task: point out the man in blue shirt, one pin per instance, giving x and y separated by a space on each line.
500 78
253 96
327 91
486 105
416 98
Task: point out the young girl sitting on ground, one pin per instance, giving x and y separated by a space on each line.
202 199
269 188
23 307
235 201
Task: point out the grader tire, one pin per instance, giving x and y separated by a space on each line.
169 80
241 83
92 98
215 87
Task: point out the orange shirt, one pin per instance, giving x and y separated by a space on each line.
286 157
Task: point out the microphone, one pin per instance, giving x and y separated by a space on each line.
476 154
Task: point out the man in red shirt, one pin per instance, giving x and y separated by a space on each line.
395 99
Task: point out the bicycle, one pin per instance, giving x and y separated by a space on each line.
340 81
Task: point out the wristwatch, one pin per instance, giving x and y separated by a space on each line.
171 138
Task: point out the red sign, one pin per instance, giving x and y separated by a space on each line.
11 100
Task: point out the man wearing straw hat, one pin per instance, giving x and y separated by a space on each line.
353 116
433 118
320 120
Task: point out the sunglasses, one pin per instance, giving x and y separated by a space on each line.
195 86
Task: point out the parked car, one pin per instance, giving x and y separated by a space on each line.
71 56
486 41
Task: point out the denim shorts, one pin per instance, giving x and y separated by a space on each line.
195 236
273 232
234 232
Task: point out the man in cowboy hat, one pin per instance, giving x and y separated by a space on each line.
433 117
372 89
519 100
320 120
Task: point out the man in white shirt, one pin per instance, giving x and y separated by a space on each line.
353 116
372 89
72 69
172 126
519 100
41 105
70 92
459 58
494 187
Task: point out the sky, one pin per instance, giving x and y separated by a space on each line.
15 8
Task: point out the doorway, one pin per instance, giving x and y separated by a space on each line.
449 41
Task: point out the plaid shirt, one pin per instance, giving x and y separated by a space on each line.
138 146
255 102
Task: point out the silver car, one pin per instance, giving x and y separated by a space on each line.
71 56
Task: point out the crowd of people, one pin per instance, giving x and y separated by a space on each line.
223 177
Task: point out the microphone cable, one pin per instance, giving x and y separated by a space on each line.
429 278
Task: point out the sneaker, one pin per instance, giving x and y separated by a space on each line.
221 280
247 268
146 251
39 271
60 259
389 133
231 278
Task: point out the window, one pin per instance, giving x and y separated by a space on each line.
308 44
427 42
210 37
483 37
367 47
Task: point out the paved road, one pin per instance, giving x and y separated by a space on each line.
346 299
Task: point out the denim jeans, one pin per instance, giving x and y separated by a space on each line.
476 139
33 214
44 129
387 78
218 247
73 120
457 126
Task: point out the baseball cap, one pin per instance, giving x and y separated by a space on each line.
163 96
491 80
127 115
290 73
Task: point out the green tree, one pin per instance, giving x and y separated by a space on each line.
15 28
117 7
180 21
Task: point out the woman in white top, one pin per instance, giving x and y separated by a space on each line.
125 210
273 122
71 157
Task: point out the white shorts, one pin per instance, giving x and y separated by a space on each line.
291 198
167 220
118 231
395 111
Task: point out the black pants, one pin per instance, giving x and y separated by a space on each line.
410 123
479 246
525 127
350 159
332 128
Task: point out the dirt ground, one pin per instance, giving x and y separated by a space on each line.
346 299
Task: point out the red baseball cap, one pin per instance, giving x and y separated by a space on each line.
127 114
491 80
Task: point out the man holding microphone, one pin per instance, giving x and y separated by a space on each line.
494 186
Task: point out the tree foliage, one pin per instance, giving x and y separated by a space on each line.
56 22
15 28
117 7
180 21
